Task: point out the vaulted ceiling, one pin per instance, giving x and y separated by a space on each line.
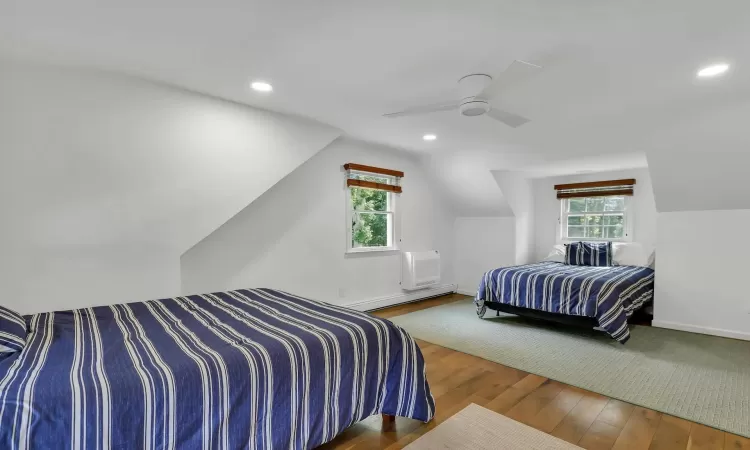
618 85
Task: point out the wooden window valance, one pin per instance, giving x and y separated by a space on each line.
360 175
596 188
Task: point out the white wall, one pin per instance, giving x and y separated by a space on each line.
701 276
106 180
700 165
44 279
547 207
482 244
294 236
519 191
486 243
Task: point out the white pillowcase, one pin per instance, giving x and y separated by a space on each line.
624 254
629 254
557 254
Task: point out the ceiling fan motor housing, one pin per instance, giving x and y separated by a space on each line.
470 87
474 107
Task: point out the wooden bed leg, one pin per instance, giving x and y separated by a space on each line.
389 422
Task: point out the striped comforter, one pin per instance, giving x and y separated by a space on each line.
609 294
242 369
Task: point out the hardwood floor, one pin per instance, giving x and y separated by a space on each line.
587 419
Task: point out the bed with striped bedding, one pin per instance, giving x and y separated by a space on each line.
608 294
241 369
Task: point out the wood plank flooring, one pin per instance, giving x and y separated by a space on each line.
587 419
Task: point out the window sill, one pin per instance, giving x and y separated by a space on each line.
359 250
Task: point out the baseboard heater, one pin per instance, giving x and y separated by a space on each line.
427 296
402 298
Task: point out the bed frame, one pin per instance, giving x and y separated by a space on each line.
640 317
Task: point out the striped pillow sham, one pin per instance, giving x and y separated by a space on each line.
12 331
589 254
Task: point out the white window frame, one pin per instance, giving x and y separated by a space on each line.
394 230
562 223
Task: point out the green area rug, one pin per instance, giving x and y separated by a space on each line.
701 378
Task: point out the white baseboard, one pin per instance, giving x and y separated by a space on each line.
406 297
467 292
702 330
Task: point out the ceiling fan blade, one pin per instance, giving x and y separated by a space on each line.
510 119
425 109
516 72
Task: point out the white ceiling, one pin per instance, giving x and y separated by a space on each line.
615 71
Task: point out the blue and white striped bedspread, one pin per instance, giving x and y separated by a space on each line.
609 294
243 369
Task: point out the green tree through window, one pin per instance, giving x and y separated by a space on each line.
370 215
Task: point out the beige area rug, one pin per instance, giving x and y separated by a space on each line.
704 379
475 427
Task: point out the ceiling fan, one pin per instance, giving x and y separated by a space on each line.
476 91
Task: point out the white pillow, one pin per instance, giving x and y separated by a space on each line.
557 254
629 254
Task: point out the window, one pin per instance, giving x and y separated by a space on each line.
596 210
595 218
371 209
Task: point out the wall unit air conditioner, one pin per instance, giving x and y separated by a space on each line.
420 270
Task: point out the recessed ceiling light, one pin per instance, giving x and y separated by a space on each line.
429 137
713 70
261 86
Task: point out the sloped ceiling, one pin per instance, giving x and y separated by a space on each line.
469 186
92 159
707 168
